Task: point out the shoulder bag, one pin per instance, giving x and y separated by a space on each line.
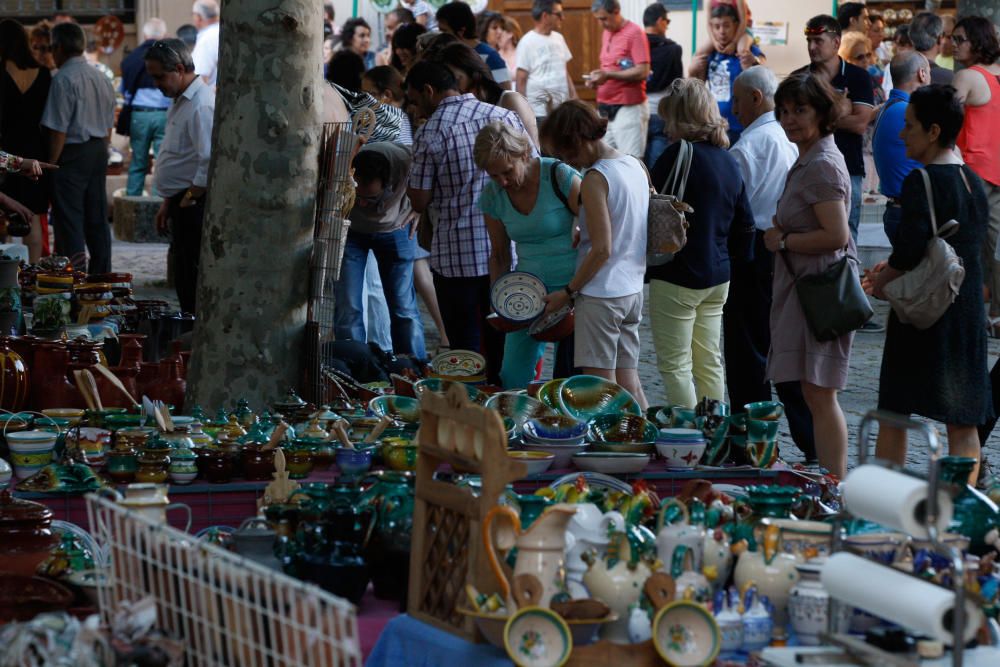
922 295
123 124
667 225
832 300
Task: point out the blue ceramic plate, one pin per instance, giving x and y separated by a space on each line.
518 296
584 397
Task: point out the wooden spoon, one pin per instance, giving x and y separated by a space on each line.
113 379
92 385
81 385
383 423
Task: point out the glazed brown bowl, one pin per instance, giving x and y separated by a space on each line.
553 327
504 325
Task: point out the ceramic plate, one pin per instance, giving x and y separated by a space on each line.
594 480
459 364
518 296
611 463
549 393
685 634
518 407
584 397
401 408
537 637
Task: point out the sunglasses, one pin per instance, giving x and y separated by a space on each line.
820 30
167 47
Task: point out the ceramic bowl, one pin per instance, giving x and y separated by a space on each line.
685 634
88 581
399 408
441 386
518 407
531 435
681 456
563 454
518 296
548 393
30 451
766 410
611 463
13 422
459 364
621 429
584 397
762 430
884 548
537 637
624 447
73 414
553 327
583 631
803 537
504 325
400 456
537 462
353 462
558 427
957 540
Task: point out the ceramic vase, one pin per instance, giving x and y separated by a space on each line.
774 573
808 605
682 532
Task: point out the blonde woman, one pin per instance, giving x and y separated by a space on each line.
531 201
687 295
856 48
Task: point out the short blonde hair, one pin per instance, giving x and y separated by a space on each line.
499 141
690 112
851 39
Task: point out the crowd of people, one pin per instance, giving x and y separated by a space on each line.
483 160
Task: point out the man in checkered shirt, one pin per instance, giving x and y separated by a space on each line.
445 182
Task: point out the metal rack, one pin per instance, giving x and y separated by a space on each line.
227 610
930 519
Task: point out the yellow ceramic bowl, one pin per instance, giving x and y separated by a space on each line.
400 456
74 415
536 462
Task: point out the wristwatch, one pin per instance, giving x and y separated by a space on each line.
782 245
572 293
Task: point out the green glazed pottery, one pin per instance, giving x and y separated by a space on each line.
681 417
975 514
440 386
621 429
760 429
519 407
400 456
584 397
399 408
767 410
548 393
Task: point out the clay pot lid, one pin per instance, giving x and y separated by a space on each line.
15 510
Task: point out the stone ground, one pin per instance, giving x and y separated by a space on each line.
147 263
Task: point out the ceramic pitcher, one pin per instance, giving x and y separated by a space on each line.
589 531
150 500
617 580
772 570
540 548
682 532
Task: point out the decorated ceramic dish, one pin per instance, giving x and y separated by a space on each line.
611 463
537 637
548 393
537 462
555 326
558 427
519 407
459 364
441 386
615 428
685 634
768 410
518 296
681 455
584 397
399 408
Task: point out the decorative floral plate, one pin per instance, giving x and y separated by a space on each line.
685 634
518 296
537 637
459 363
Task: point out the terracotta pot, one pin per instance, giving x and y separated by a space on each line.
25 347
258 464
169 387
131 345
14 385
215 465
51 389
149 374
84 351
25 537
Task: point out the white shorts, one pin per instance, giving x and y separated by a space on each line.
627 132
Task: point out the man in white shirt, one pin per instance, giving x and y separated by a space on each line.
765 156
181 174
205 16
542 55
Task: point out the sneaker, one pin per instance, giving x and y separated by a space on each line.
871 326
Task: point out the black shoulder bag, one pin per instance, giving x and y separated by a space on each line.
123 124
832 300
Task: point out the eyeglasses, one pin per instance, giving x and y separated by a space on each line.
958 40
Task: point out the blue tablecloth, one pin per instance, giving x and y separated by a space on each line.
407 641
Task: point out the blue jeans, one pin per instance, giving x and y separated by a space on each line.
854 215
146 128
394 253
656 141
890 220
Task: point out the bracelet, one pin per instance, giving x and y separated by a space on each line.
570 292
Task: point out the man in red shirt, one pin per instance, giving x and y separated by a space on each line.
621 81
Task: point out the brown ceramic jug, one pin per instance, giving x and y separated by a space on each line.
51 389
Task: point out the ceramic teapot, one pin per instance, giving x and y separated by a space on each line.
540 548
589 529
680 532
254 539
772 570
691 584
618 580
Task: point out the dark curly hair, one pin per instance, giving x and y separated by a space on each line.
816 92
350 27
982 37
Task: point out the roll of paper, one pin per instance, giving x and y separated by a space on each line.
893 499
896 596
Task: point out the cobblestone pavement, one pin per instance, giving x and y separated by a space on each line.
147 263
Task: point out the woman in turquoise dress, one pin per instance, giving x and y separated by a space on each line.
533 202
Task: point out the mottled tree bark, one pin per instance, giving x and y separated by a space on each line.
253 281
986 8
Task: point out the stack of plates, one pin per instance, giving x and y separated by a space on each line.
681 447
562 448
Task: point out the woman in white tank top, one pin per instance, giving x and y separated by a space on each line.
607 286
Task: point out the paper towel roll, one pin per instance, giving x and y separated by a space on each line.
896 596
893 499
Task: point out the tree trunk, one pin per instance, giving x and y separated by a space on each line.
258 230
986 8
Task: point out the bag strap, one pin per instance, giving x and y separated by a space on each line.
555 185
949 227
676 183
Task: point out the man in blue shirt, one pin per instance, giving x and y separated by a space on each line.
149 107
910 70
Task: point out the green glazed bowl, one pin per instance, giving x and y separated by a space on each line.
584 397
399 408
548 393
766 410
622 429
518 407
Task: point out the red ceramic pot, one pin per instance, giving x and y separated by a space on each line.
25 536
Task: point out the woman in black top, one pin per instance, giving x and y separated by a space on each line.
24 87
686 295
939 372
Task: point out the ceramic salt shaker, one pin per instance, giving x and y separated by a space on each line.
757 623
727 616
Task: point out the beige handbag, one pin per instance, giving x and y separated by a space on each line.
921 296
667 226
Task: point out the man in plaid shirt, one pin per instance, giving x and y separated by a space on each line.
445 182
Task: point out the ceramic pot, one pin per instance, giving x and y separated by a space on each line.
717 557
774 573
121 465
183 466
618 586
690 583
298 461
390 500
93 443
50 388
216 465
178 438
324 454
540 547
149 373
133 437
254 539
258 463
151 501
30 451
25 535
589 529
975 515
670 536
808 605
152 469
14 387
730 623
169 387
